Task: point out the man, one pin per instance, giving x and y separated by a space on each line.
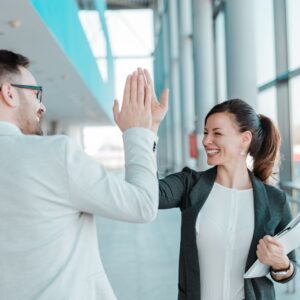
50 191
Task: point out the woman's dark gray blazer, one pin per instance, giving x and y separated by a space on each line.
189 190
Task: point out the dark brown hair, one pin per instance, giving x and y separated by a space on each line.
10 63
265 143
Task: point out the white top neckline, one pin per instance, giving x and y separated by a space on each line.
232 189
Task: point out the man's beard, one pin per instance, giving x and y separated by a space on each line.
39 131
32 129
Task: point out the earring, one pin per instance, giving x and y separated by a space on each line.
243 153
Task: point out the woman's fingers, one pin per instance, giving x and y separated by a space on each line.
164 98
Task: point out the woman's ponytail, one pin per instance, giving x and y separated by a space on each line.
267 155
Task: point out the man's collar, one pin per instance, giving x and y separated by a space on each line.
7 128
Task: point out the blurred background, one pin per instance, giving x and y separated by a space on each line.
205 51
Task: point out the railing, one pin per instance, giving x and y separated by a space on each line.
293 195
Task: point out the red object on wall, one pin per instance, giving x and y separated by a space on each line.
193 145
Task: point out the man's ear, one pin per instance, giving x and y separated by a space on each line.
9 95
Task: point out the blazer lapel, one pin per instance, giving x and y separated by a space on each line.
203 187
261 217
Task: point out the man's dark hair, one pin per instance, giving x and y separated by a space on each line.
10 63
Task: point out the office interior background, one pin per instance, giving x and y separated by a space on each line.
205 51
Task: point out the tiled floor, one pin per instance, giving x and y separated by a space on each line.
142 260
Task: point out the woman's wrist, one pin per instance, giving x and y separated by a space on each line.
282 274
284 264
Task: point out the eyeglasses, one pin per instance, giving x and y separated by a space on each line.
37 88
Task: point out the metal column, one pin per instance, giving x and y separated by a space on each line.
283 103
203 68
186 79
241 60
175 86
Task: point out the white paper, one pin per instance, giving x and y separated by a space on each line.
290 239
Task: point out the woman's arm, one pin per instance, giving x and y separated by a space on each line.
271 252
172 189
286 218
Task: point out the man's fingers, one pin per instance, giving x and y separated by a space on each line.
126 94
116 110
133 88
141 72
141 90
164 98
149 81
148 97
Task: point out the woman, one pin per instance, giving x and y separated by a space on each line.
229 213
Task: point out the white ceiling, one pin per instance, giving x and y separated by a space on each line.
65 96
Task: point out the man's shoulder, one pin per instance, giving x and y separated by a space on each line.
57 141
47 146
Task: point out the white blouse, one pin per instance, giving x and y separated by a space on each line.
224 229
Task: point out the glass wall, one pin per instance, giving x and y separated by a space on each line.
293 30
295 122
293 26
267 104
265 42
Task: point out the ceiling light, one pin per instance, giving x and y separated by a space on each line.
15 23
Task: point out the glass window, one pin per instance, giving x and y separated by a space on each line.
293 23
220 52
267 104
265 43
93 29
295 121
131 32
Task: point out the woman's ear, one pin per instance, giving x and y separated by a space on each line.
9 95
247 137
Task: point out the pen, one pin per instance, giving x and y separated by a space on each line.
282 232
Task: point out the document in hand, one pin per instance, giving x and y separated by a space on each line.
289 236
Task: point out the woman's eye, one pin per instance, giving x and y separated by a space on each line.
217 133
205 133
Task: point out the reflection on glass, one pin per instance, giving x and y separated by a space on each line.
295 121
267 104
265 43
293 22
220 57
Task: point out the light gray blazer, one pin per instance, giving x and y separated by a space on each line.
49 193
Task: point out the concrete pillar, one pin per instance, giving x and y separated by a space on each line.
186 79
282 89
240 54
175 85
203 68
169 137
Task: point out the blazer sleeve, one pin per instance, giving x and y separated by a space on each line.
286 218
173 189
94 190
